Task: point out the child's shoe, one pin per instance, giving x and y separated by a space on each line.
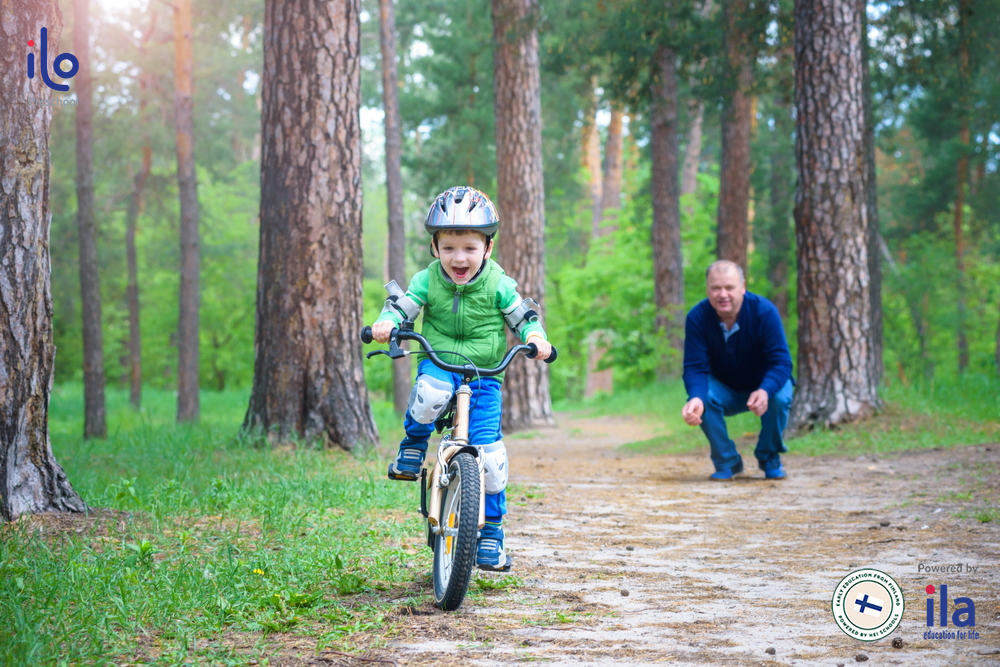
490 555
409 460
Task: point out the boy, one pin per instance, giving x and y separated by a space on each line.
466 298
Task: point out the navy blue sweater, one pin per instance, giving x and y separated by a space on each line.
755 357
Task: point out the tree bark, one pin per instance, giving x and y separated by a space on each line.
871 201
692 155
308 375
520 191
95 423
779 233
401 368
611 189
668 264
187 323
962 178
732 235
32 481
132 289
592 162
836 381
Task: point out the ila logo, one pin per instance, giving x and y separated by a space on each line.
74 64
968 609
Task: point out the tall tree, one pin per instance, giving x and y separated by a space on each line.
836 381
592 161
187 323
611 189
732 235
94 415
31 480
308 379
401 371
692 154
668 264
962 175
871 202
520 189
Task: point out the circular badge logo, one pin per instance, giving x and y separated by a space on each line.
867 605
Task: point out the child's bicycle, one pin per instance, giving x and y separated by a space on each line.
455 487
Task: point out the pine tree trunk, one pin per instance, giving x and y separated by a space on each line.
611 189
692 155
31 481
187 323
132 289
95 423
779 232
836 383
668 264
308 375
962 178
871 190
401 368
732 235
520 191
592 162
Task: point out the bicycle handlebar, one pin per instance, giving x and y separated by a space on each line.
530 350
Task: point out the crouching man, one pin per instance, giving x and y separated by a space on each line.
736 359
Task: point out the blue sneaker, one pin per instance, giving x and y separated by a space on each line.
723 474
490 555
409 461
772 468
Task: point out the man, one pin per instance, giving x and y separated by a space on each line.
736 359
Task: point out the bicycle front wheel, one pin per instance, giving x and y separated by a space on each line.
455 546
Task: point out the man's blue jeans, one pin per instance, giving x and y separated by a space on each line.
484 423
725 402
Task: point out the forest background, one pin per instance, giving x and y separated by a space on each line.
446 79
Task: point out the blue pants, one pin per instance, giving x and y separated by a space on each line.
484 423
725 402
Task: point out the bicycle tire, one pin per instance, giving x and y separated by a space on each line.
453 561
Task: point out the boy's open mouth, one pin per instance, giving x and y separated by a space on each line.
460 272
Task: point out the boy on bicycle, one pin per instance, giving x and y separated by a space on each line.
466 299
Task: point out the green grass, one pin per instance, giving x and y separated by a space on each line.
949 414
211 546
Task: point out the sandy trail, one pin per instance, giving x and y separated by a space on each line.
718 573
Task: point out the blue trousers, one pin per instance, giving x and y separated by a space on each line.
484 424
725 402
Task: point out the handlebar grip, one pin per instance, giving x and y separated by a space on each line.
549 359
366 335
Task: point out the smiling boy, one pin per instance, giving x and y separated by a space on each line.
466 299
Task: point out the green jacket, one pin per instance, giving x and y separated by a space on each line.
467 319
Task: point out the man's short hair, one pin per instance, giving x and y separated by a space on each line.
725 264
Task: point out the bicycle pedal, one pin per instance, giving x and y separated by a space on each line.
400 477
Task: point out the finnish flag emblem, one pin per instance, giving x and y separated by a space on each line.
869 605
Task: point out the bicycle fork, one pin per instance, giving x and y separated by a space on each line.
450 446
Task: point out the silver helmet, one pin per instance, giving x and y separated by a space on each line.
462 208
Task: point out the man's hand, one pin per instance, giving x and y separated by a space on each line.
758 402
692 411
382 330
544 347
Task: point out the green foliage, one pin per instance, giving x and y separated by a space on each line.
202 535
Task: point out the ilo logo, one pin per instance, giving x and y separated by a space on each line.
968 609
74 64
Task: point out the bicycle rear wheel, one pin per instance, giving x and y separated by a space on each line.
455 547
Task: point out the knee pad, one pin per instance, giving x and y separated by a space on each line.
495 457
428 399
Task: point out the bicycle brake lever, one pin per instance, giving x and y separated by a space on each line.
374 352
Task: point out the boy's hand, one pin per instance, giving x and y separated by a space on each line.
692 411
544 347
382 330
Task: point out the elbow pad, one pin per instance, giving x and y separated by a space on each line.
521 315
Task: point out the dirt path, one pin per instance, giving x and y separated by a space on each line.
718 573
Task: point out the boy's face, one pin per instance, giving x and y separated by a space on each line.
461 255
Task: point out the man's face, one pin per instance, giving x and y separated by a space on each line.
725 292
461 255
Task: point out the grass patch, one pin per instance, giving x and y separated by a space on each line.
201 539
948 414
